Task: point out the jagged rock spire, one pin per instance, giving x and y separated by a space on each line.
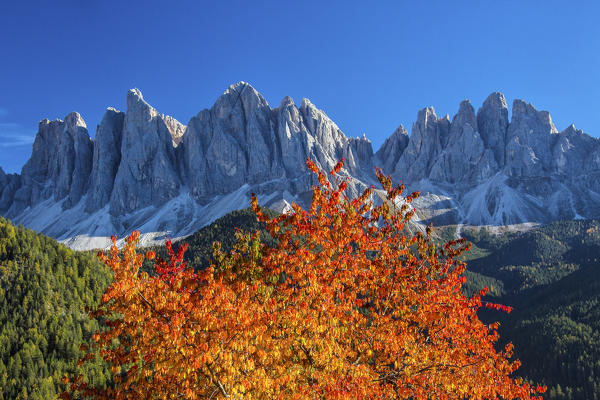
147 173
147 170
391 150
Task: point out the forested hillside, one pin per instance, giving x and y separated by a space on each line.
552 278
222 230
44 289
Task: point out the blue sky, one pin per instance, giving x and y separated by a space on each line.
369 67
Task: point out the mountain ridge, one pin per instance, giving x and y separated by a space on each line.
145 170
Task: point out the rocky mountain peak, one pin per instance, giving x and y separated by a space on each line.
492 125
427 136
306 105
465 108
572 130
319 125
147 173
145 170
530 139
465 115
400 132
521 107
523 111
286 102
59 166
135 94
106 159
82 148
464 119
463 157
139 110
176 129
239 87
73 119
137 107
426 115
240 95
390 151
495 101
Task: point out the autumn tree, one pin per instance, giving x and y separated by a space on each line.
347 305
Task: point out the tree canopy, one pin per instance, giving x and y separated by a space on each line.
345 305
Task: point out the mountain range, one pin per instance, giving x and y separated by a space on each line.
145 170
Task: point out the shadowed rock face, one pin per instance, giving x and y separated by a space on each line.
147 170
530 138
59 166
8 186
75 152
389 153
492 125
107 157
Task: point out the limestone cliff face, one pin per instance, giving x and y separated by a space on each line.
483 169
242 140
59 166
492 125
106 159
9 183
147 173
464 157
145 170
428 136
530 138
388 155
230 144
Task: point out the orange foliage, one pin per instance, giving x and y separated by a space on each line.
347 306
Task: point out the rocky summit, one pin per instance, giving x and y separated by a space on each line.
147 171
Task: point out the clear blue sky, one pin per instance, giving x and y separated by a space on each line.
370 68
